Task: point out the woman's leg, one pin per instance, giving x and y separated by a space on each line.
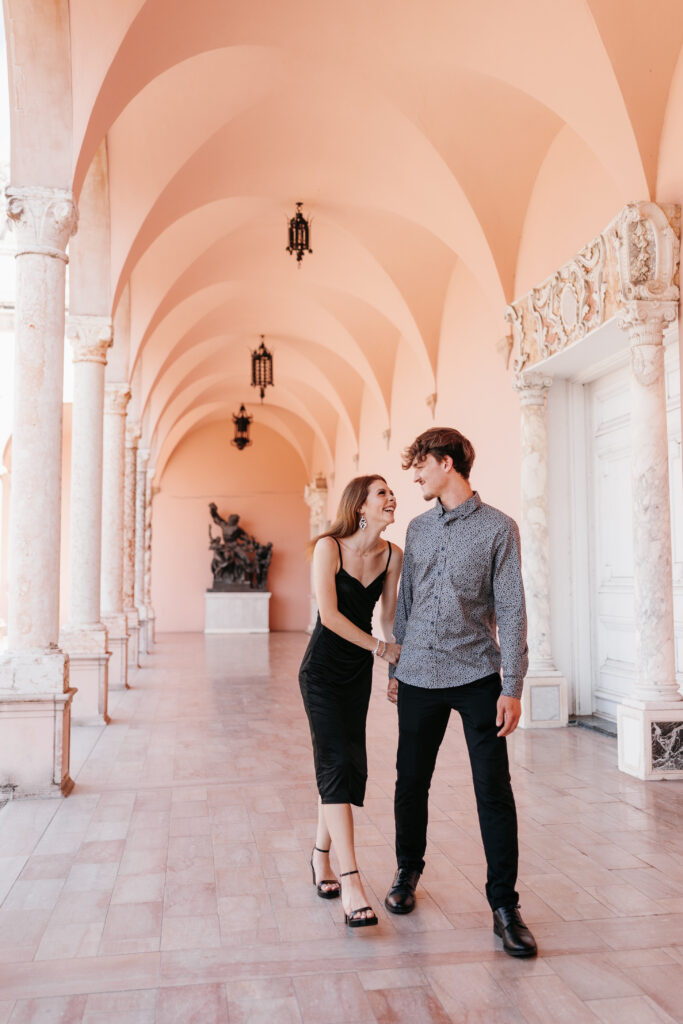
321 861
339 821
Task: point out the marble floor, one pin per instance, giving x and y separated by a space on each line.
173 884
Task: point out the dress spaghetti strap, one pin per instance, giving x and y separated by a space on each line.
341 560
389 558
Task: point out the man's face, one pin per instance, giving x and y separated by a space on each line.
431 475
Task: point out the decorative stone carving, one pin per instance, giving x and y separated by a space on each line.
634 261
116 398
570 303
90 338
44 219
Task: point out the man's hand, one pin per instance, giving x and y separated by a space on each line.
508 710
392 690
391 653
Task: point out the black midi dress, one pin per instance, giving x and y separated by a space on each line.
335 680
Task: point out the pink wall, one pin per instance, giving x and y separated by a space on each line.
264 484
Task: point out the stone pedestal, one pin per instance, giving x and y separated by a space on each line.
650 739
237 612
117 642
88 672
35 724
544 701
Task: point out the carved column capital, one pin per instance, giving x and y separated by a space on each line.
645 320
532 386
44 219
116 398
647 252
90 337
133 435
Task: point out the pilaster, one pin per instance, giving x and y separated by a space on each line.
544 698
116 398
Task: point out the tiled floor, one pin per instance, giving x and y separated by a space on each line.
173 885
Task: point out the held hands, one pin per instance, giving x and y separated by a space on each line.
392 690
508 714
391 653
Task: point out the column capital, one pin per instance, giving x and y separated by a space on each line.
116 398
645 320
90 337
44 219
315 494
532 386
133 435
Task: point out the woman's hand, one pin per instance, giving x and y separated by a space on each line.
391 653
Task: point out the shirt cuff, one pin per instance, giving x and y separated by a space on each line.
512 687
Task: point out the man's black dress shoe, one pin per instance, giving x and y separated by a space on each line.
517 939
401 897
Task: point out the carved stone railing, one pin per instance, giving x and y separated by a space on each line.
634 260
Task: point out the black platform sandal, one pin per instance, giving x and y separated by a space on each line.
324 894
351 920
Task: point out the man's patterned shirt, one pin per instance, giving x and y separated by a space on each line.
461 579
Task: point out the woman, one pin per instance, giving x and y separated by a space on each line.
352 568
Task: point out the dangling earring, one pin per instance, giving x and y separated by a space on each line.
362 522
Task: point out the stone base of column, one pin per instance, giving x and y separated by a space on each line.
650 738
544 701
35 725
133 628
88 672
151 638
142 634
118 648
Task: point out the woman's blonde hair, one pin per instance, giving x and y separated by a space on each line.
348 513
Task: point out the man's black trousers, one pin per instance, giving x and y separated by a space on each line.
422 719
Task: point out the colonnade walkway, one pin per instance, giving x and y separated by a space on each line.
173 884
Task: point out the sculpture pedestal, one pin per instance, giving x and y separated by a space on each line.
650 738
544 701
236 611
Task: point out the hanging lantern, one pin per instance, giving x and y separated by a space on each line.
299 234
261 369
241 420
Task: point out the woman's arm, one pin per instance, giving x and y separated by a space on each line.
325 559
389 592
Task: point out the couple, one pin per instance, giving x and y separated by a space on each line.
461 579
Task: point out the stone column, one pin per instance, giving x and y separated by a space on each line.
650 723
315 497
129 510
116 397
140 508
150 491
35 697
544 699
85 638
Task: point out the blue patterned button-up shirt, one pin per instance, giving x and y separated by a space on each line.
461 579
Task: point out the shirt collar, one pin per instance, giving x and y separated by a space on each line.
466 508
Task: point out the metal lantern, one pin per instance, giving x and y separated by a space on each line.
241 420
261 369
299 234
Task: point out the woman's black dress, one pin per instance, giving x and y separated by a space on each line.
336 679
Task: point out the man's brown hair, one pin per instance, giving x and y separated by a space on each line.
439 442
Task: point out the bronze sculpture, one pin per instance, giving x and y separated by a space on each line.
239 562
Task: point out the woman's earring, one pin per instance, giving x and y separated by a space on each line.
362 522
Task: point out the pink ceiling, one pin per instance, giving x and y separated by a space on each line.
417 135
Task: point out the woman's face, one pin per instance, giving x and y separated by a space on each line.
380 504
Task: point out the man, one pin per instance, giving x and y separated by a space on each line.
461 579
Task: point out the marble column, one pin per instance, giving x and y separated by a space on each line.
35 695
150 491
85 638
116 397
650 723
129 511
315 497
544 699
140 508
